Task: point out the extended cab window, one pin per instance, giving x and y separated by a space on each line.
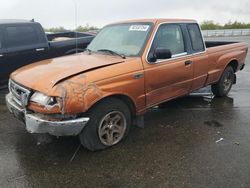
21 36
169 36
196 37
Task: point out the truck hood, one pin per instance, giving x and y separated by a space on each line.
44 75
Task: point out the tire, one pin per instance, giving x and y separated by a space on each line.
109 124
224 85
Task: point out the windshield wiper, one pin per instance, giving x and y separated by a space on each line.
112 52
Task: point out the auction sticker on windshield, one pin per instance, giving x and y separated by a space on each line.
138 27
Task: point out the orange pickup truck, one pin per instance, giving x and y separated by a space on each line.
128 68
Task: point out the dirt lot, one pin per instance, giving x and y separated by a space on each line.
177 148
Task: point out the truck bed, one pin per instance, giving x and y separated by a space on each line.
210 44
68 35
62 42
71 43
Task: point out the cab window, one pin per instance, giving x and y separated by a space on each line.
169 36
21 36
196 37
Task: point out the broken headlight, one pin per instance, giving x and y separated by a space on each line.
43 99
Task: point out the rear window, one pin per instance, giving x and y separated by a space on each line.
196 37
21 36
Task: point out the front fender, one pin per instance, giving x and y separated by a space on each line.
78 96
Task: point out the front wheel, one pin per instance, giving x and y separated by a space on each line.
224 85
108 125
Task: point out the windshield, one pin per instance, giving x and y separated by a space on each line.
125 39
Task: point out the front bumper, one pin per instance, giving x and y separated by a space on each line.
36 123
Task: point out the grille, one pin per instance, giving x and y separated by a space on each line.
20 94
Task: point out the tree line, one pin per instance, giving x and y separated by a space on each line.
85 28
210 25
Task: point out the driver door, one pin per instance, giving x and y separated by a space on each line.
168 78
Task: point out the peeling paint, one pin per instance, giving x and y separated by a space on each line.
77 92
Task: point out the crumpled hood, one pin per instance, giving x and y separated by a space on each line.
42 76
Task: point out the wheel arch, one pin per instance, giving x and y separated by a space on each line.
234 64
73 51
124 98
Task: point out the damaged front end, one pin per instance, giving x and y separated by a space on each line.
56 124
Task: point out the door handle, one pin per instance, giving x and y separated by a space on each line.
1 55
138 75
188 63
40 49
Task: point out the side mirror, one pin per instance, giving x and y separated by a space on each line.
162 53
159 53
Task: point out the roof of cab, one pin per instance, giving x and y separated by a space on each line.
155 20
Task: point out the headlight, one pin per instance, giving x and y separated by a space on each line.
43 99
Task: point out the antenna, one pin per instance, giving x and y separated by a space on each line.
75 4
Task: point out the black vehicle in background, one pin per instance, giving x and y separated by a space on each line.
25 42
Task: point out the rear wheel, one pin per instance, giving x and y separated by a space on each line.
108 125
224 85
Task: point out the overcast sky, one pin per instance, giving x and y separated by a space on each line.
53 13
